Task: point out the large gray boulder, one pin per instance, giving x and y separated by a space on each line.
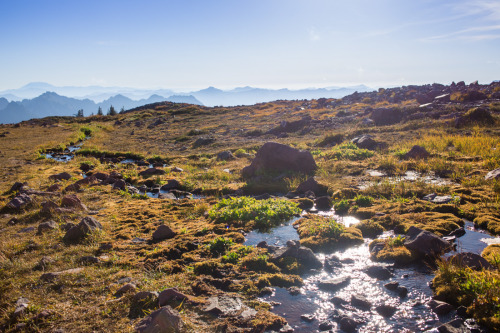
277 157
86 226
163 320
425 242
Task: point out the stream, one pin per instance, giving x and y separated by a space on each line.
412 315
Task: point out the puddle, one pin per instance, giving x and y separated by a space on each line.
409 176
67 154
412 314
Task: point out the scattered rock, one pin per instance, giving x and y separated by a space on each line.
493 174
386 116
43 264
46 226
170 294
365 142
143 300
177 169
425 242
126 288
17 186
86 226
54 275
170 196
19 202
417 152
437 199
21 306
60 176
203 141
323 203
152 172
85 260
402 291
119 184
386 310
348 324
360 302
471 260
171 185
312 185
294 291
454 326
73 201
457 232
325 325
332 262
225 156
277 157
378 272
303 254
224 306
335 284
163 232
164 319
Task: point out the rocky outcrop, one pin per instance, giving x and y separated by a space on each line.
277 157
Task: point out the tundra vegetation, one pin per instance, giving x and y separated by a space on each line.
192 240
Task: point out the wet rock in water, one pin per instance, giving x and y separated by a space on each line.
417 152
462 311
279 157
457 232
338 301
170 196
60 176
126 288
294 291
454 326
225 156
163 232
86 226
170 294
335 284
325 326
402 291
286 329
425 242
378 272
323 203
309 318
21 307
494 174
164 319
312 185
332 262
360 302
471 260
54 275
46 226
19 202
305 203
171 185
132 190
348 324
72 201
266 291
386 310
303 254
440 308
152 172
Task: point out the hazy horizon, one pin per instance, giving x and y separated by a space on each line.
187 46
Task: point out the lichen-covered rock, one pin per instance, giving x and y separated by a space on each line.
86 226
163 320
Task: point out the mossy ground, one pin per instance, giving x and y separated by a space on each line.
85 302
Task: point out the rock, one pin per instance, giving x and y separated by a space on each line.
54 188
348 324
19 202
120 184
177 169
471 260
88 260
43 264
225 156
440 308
309 318
203 141
167 196
280 158
402 291
25 230
21 307
457 232
294 291
163 232
386 116
325 326
101 176
335 284
126 288
263 196
323 203
332 262
17 186
338 301
493 174
425 242
473 116
360 302
46 226
143 300
417 152
72 201
60 176
54 275
365 142
462 311
385 310
378 272
303 254
224 306
162 320
312 185
152 172
86 226
170 294
171 185
454 326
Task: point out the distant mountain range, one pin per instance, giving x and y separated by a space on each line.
38 99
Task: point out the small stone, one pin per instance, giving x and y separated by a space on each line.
21 306
385 310
325 325
392 285
43 264
170 294
88 260
402 291
52 276
177 169
454 326
164 319
348 324
360 302
294 291
126 288
378 272
163 232
333 285
46 226
60 176
72 201
86 226
440 308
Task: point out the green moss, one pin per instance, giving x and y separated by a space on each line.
492 254
370 228
488 222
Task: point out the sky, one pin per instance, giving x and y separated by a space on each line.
193 44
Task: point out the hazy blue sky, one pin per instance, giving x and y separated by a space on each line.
266 43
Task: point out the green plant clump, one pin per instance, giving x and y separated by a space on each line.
265 213
349 151
342 206
220 245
